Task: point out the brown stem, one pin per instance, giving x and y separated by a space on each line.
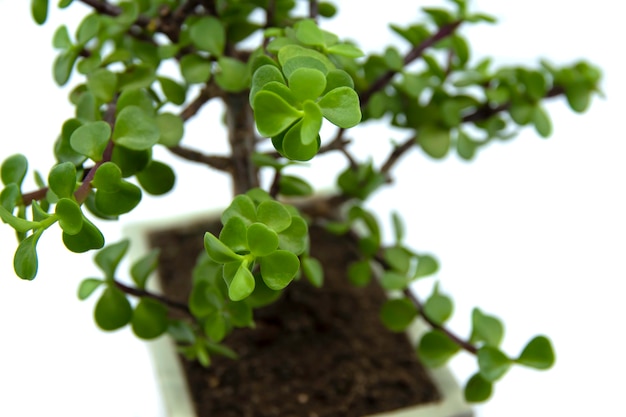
413 54
220 163
207 93
456 339
144 293
242 140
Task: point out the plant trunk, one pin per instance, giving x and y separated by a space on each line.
242 138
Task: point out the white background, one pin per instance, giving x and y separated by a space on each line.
532 231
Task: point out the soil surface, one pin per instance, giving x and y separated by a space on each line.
314 353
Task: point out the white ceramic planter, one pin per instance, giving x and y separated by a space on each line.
175 394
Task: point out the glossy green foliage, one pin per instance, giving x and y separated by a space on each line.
258 229
431 90
291 97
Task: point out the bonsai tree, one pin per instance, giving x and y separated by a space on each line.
291 92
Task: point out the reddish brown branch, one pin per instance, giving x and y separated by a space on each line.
136 292
413 54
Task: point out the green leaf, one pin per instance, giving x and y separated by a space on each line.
87 287
114 196
70 216
360 272
434 141
63 64
438 308
313 270
486 328
521 111
397 314
541 121
195 69
103 84
477 389
307 83
205 299
398 227
215 326
25 260
109 258
39 11
338 78
435 348
130 162
242 284
240 314
218 251
308 33
272 113
279 268
233 234
140 270
91 139
137 98
311 123
341 107
173 91
135 130
345 49
233 75
208 34
578 96
493 363
113 310
398 258
157 178
61 38
391 280
294 238
136 76
14 169
537 354
241 206
261 239
62 179
274 215
88 28
426 265
263 75
149 319
20 225
292 57
289 185
87 239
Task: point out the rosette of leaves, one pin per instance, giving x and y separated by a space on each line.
292 95
261 238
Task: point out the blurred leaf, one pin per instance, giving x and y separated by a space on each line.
140 270
195 69
493 363
233 75
397 314
157 178
434 141
438 308
436 348
109 258
149 319
426 265
91 139
39 11
88 286
208 34
486 328
313 270
14 169
113 310
477 389
360 272
537 354
135 130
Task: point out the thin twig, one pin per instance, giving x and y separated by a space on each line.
144 293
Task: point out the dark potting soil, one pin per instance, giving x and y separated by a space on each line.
316 352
